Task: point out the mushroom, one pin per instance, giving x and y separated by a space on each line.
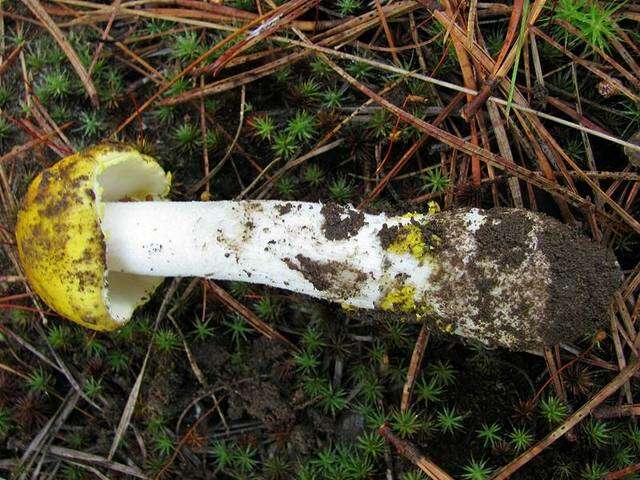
96 237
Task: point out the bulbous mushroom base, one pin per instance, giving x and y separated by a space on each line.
521 280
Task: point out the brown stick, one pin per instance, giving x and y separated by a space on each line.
617 411
554 374
387 32
266 25
253 320
623 473
414 366
451 106
9 61
105 35
485 92
411 453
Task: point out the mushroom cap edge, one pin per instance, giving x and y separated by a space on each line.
60 242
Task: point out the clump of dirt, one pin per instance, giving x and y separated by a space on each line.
387 235
284 209
261 393
160 394
509 232
211 358
264 401
341 222
330 276
583 279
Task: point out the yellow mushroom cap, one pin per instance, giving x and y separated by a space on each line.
60 241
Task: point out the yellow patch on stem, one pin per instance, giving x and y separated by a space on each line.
347 307
411 240
401 299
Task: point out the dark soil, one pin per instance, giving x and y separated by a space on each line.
583 277
577 292
341 222
260 388
334 277
488 387
504 242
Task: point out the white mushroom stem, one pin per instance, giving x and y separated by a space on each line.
505 277
280 244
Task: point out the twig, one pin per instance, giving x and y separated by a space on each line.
10 58
459 88
132 399
554 374
221 163
105 35
570 422
588 65
253 320
411 453
20 149
622 473
205 148
414 366
37 444
451 106
70 454
267 24
617 411
387 31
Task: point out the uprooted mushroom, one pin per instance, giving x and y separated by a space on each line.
96 239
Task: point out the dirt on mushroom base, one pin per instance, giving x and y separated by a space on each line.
337 278
504 241
579 298
284 209
341 222
575 300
